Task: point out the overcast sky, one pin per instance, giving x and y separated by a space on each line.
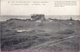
47 9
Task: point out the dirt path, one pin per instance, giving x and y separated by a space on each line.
50 43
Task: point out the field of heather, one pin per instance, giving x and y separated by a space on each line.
17 34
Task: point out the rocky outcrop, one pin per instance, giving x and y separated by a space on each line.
36 17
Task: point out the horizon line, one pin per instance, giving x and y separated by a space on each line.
44 14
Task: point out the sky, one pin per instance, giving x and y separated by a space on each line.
47 7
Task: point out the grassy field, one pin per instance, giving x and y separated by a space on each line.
54 35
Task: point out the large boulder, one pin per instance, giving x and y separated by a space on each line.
36 17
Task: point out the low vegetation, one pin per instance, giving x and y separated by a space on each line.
39 34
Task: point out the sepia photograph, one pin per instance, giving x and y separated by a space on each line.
40 25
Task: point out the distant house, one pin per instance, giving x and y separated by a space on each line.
38 17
